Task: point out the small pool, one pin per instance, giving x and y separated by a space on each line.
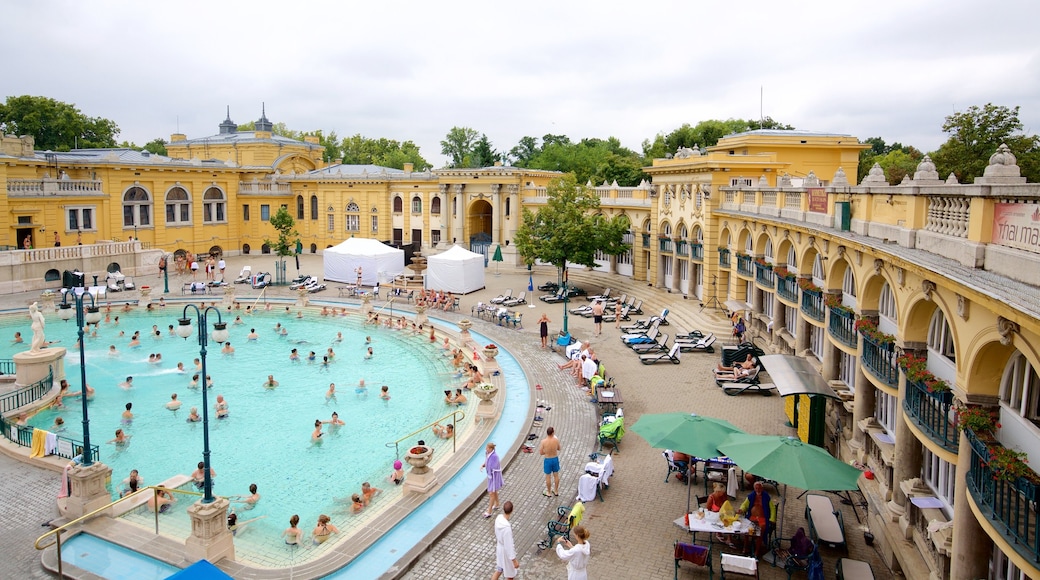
267 438
111 561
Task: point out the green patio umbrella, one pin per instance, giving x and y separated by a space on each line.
790 461
497 257
693 434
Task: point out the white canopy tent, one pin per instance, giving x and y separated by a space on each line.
456 270
372 256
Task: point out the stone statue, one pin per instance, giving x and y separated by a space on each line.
38 340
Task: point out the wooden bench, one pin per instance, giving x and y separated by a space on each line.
849 569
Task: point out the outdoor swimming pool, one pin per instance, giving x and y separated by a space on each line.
267 438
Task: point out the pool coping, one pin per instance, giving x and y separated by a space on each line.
347 549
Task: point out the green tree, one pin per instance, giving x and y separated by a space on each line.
156 146
590 160
526 149
458 146
569 228
285 225
976 133
55 125
704 134
484 154
360 150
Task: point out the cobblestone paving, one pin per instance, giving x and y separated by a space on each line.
632 531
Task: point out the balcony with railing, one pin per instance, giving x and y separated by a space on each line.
256 187
664 244
1009 503
724 258
697 251
646 240
787 288
842 325
930 410
812 304
764 275
744 267
880 360
53 187
681 248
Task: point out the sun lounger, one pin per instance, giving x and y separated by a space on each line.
704 344
826 526
520 299
671 356
245 276
659 345
849 569
503 296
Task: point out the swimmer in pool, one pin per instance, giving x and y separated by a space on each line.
330 354
160 501
311 357
174 404
397 475
316 434
293 534
194 384
222 407
198 476
228 349
270 383
238 320
198 364
369 354
248 501
324 530
368 492
384 393
193 416
252 334
356 504
339 337
128 416
361 388
335 421
121 440
17 338
294 356
180 368
283 332
446 432
330 395
112 351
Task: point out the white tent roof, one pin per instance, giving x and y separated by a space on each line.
456 270
373 257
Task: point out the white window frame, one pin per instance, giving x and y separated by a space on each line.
1003 568
265 212
352 223
741 182
80 211
416 204
848 282
886 411
769 251
887 303
138 208
768 304
816 340
940 336
792 260
332 222
375 223
941 477
791 319
847 369
214 209
817 271
435 236
179 207
1020 388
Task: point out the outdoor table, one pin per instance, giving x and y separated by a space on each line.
711 525
609 398
348 290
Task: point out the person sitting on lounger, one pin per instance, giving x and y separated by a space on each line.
736 374
748 364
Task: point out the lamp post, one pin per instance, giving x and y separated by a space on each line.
92 316
166 277
566 292
220 335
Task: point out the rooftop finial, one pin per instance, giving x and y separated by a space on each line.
228 126
263 124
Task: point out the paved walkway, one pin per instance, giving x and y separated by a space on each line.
632 531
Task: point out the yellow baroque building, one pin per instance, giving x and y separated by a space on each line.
916 301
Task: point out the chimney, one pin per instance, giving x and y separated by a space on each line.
408 167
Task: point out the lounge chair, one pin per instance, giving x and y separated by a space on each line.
639 325
647 338
605 295
638 307
314 286
663 318
658 345
128 284
262 280
520 299
690 336
114 285
245 276
826 526
194 288
503 297
300 282
704 344
554 298
567 517
639 333
694 554
670 356
610 317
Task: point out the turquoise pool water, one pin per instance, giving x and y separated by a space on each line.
267 438
111 561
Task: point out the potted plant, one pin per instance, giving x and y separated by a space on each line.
976 419
465 324
869 329
916 371
1007 464
419 458
485 392
490 352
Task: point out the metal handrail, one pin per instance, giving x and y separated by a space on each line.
257 301
28 394
56 532
456 416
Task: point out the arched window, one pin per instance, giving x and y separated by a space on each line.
435 206
749 248
299 207
178 207
848 282
698 235
398 204
724 242
887 303
940 337
353 207
52 275
792 260
1020 388
265 249
682 232
314 207
314 248
769 251
213 206
666 229
352 221
245 248
137 208
817 270
417 204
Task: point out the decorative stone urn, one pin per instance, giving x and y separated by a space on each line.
301 298
421 478
420 316
490 353
146 296
486 393
465 324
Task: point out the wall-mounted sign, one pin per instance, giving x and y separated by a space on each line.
817 199
1017 225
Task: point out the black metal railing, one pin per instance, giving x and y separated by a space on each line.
680 247
764 275
697 251
724 258
664 244
744 266
23 437
812 304
931 412
26 395
646 240
880 361
1011 506
787 288
842 326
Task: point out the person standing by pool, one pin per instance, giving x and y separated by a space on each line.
597 315
505 552
543 329
494 477
397 475
576 555
221 407
293 534
550 448
617 314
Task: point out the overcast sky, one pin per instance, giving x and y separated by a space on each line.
413 70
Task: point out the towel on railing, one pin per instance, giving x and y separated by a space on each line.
66 488
51 443
691 553
587 487
39 443
731 482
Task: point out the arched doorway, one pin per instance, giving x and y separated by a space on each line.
479 224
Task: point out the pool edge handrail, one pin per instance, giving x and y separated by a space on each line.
456 416
155 489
